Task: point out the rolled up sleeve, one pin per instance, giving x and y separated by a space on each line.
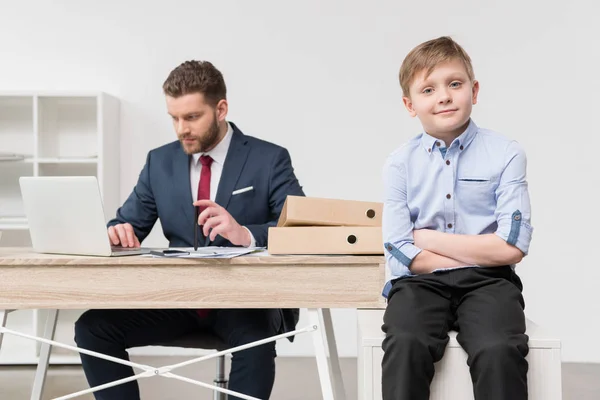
513 207
397 225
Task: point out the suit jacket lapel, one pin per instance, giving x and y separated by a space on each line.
181 184
232 168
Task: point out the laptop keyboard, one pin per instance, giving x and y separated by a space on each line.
119 248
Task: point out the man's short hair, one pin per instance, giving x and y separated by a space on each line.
196 77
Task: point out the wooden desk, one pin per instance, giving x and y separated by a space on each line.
30 280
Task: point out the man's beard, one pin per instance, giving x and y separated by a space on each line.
204 143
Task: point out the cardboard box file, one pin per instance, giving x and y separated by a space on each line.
325 240
312 211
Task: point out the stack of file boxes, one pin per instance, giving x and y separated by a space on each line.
309 225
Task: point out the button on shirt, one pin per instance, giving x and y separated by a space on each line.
475 185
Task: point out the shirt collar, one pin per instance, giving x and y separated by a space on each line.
429 142
219 152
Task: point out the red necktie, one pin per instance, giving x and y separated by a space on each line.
204 183
204 194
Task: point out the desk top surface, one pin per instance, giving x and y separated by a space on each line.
26 256
31 280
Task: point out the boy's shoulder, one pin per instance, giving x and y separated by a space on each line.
493 136
497 140
402 154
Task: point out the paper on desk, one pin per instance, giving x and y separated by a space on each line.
215 252
220 252
259 253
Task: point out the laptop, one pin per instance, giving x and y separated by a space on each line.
66 216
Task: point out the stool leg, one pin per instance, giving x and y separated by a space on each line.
220 380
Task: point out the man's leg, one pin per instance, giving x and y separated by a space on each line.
416 324
491 325
252 370
111 332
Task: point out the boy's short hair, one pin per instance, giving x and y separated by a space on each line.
196 77
429 55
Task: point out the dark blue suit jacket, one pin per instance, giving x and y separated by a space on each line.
163 191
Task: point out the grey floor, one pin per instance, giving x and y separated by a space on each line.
297 379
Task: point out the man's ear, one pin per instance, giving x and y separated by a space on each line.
222 108
409 106
475 91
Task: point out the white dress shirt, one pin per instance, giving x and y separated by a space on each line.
218 154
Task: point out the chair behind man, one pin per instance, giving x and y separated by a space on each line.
199 340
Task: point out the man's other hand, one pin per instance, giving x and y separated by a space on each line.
123 234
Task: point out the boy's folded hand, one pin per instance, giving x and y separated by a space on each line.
424 237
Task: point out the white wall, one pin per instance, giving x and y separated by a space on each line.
320 77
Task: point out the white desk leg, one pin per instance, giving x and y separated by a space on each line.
3 315
334 362
321 354
45 350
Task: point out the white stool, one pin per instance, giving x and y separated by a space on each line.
452 379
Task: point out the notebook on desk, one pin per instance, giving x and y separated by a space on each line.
66 216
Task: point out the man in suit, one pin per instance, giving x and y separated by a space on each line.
240 184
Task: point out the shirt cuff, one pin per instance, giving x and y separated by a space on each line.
252 240
516 232
405 253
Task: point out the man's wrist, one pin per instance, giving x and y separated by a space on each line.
247 235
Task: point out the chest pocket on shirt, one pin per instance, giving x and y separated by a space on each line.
476 194
474 180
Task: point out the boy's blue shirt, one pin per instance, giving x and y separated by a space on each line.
475 185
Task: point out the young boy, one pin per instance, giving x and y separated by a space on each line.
456 220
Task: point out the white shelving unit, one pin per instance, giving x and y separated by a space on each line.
52 134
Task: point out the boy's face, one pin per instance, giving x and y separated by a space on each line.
443 100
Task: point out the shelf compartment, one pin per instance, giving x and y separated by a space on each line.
16 126
67 127
11 203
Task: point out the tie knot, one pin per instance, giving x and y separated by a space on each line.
206 161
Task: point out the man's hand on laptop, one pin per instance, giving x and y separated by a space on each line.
123 234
